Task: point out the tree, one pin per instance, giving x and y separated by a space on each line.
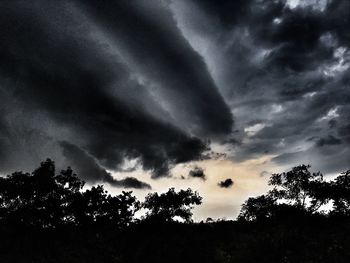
296 192
122 208
96 206
167 206
258 208
301 188
33 199
340 193
44 199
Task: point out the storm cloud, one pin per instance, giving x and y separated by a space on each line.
99 84
110 80
283 67
92 172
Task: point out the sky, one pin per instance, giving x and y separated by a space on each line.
150 94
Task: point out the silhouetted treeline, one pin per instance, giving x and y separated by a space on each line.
47 200
50 217
299 192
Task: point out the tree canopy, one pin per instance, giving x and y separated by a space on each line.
299 192
172 204
46 199
51 216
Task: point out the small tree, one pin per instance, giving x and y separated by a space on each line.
167 206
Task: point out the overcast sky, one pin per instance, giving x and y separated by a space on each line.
150 94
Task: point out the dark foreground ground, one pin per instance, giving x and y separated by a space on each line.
313 240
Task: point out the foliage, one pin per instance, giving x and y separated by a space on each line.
340 193
299 187
44 199
171 204
258 208
49 217
299 193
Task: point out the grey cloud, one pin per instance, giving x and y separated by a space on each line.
284 68
154 80
330 158
329 140
227 183
62 61
197 172
158 51
90 171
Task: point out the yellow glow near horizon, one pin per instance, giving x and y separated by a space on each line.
217 202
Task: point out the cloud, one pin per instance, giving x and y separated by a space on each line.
155 81
158 52
126 88
90 171
227 12
330 140
327 159
227 183
197 172
281 67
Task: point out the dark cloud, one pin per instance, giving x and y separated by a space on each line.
90 171
227 183
332 123
328 158
107 78
154 81
228 12
159 52
197 172
285 71
330 140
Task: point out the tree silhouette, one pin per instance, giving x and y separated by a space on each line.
96 206
167 206
298 192
51 217
258 208
44 199
299 187
340 193
37 198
